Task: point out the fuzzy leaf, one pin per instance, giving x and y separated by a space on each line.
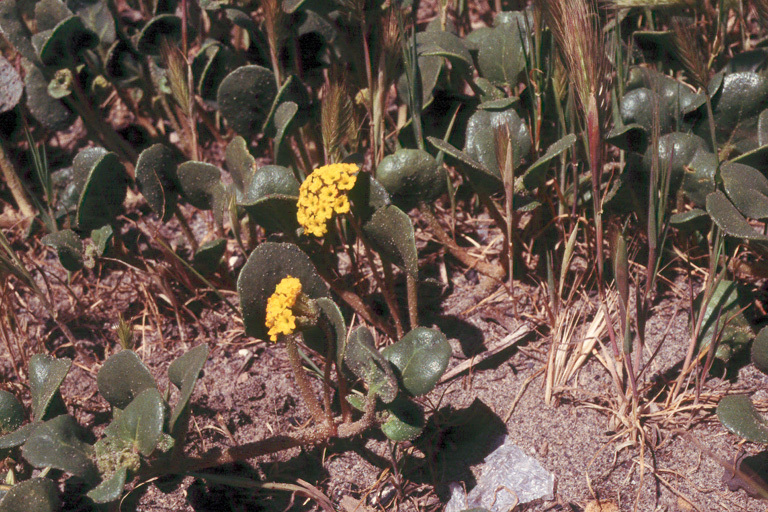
110 489
245 98
140 425
729 219
747 188
265 268
481 138
738 414
66 42
443 44
760 350
200 182
410 176
421 358
390 231
315 338
11 86
208 257
156 177
103 184
284 119
405 422
122 378
48 111
33 495
56 443
164 26
46 373
14 29
501 54
18 437
535 175
183 373
69 248
368 364
11 412
729 299
271 198
240 163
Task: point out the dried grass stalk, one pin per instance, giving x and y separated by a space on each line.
336 117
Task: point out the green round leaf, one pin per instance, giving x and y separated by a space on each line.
11 86
122 378
760 350
240 163
501 54
443 44
405 422
183 373
165 26
421 358
15 30
156 177
48 111
747 188
57 443
11 412
68 246
285 119
123 64
271 199
729 299
33 495
200 182
738 414
265 268
315 338
207 259
481 138
110 489
390 232
103 184
369 364
141 423
66 42
46 373
410 176
245 98
728 218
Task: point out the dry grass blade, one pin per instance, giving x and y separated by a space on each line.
177 74
761 7
575 26
651 4
336 117
687 51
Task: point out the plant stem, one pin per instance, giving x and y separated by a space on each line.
15 186
305 390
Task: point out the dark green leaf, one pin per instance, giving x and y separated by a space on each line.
369 365
245 98
122 378
66 42
18 437
103 184
285 117
760 350
443 44
738 414
11 86
728 299
315 337
265 268
729 219
140 425
97 18
535 175
110 489
479 175
101 238
33 495
501 54
46 373
240 163
693 220
163 27
207 259
56 443
271 198
747 188
11 412
405 421
481 138
69 248
48 111
14 30
410 176
390 232
183 373
49 13
156 177
200 182
421 358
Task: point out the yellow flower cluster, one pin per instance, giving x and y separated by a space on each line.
280 319
322 193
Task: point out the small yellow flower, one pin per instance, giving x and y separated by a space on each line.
280 318
322 194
